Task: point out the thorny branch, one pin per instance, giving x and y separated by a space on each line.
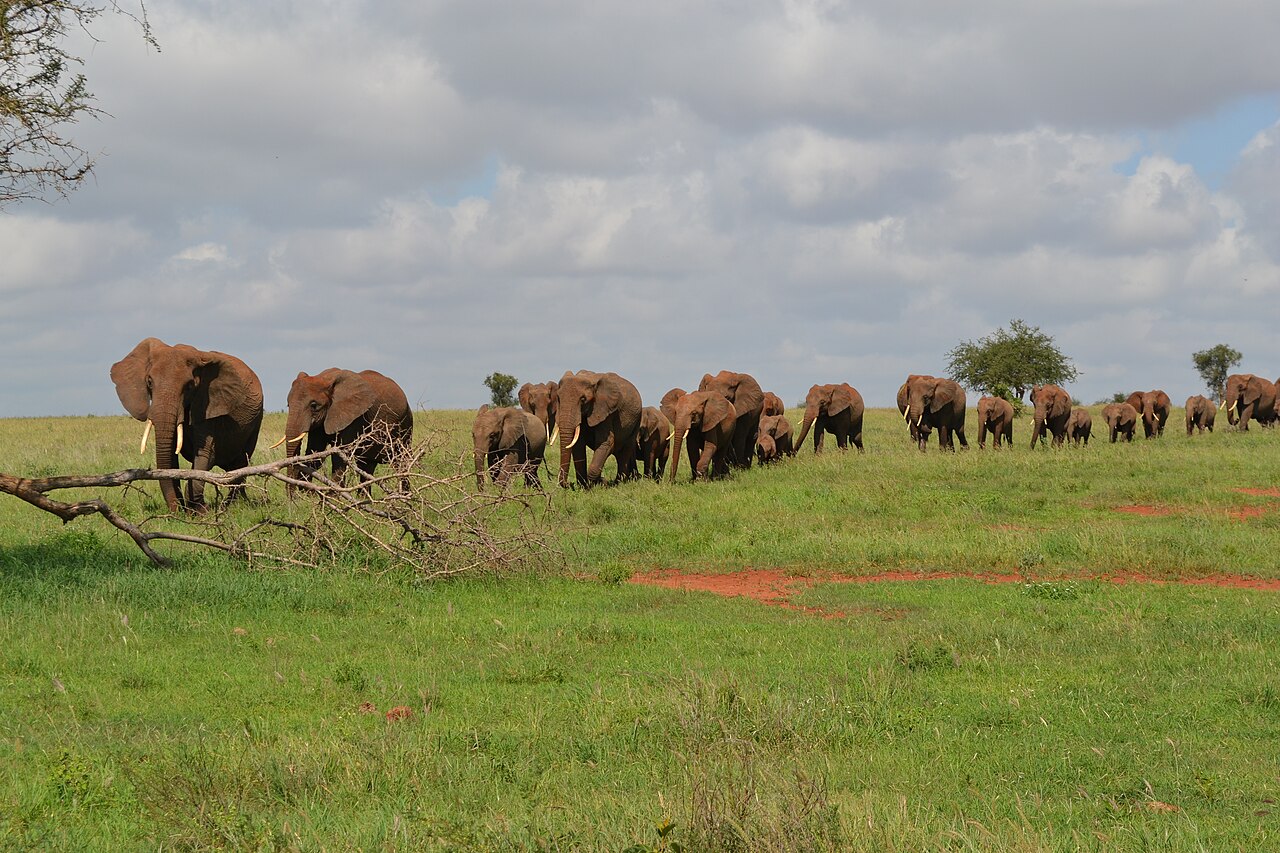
431 521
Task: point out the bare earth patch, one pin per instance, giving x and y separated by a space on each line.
775 589
1262 493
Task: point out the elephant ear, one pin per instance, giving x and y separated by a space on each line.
484 407
352 397
944 394
716 409
130 376
841 399
523 396
748 397
706 380
226 382
608 399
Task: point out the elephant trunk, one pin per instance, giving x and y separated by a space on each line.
165 415
810 415
481 455
568 424
677 442
297 426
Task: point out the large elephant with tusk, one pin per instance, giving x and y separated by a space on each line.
600 412
1052 411
205 406
341 407
934 403
710 417
835 408
541 399
744 392
1153 408
1248 397
918 434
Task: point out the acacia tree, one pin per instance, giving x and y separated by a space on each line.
41 93
501 386
1213 365
1016 359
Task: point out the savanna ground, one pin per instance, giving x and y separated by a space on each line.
212 706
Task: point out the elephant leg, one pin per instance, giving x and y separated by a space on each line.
982 437
704 469
602 453
857 439
203 461
627 467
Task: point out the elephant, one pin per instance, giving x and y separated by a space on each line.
1079 426
743 391
601 412
653 442
1052 411
205 406
773 405
508 441
904 394
836 409
774 440
541 400
1122 419
1201 413
938 403
711 416
1153 408
1249 397
338 407
995 415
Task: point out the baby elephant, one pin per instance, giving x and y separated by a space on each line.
1122 419
508 441
774 440
1200 413
653 441
1079 426
995 415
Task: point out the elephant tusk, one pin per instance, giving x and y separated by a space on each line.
906 414
555 435
919 421
576 431
282 440
178 449
146 432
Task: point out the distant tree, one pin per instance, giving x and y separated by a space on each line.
1118 397
41 93
1017 359
501 386
1214 364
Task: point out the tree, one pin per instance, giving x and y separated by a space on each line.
41 93
500 386
1018 358
1214 364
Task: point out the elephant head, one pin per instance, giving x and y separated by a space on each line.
927 396
1052 408
326 404
1122 419
177 389
825 401
668 403
497 432
712 415
740 389
541 400
588 400
773 405
766 448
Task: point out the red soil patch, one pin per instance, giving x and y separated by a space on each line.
1144 510
399 712
773 588
1246 512
1262 493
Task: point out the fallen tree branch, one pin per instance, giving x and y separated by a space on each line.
433 523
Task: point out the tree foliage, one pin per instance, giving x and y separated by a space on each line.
501 386
1016 359
1213 365
42 92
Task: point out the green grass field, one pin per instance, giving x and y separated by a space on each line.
210 706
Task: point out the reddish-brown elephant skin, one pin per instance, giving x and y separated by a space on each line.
599 412
216 399
540 399
1153 408
1052 411
1122 420
709 415
995 416
936 403
743 391
1079 426
508 441
693 441
777 429
341 407
1201 413
1248 397
653 442
835 409
773 405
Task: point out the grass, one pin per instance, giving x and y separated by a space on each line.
212 707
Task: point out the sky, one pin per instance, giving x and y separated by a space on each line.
809 191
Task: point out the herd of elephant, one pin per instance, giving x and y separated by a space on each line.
207 407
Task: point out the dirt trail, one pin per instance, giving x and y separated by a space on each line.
775 588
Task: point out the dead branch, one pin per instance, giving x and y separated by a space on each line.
421 512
